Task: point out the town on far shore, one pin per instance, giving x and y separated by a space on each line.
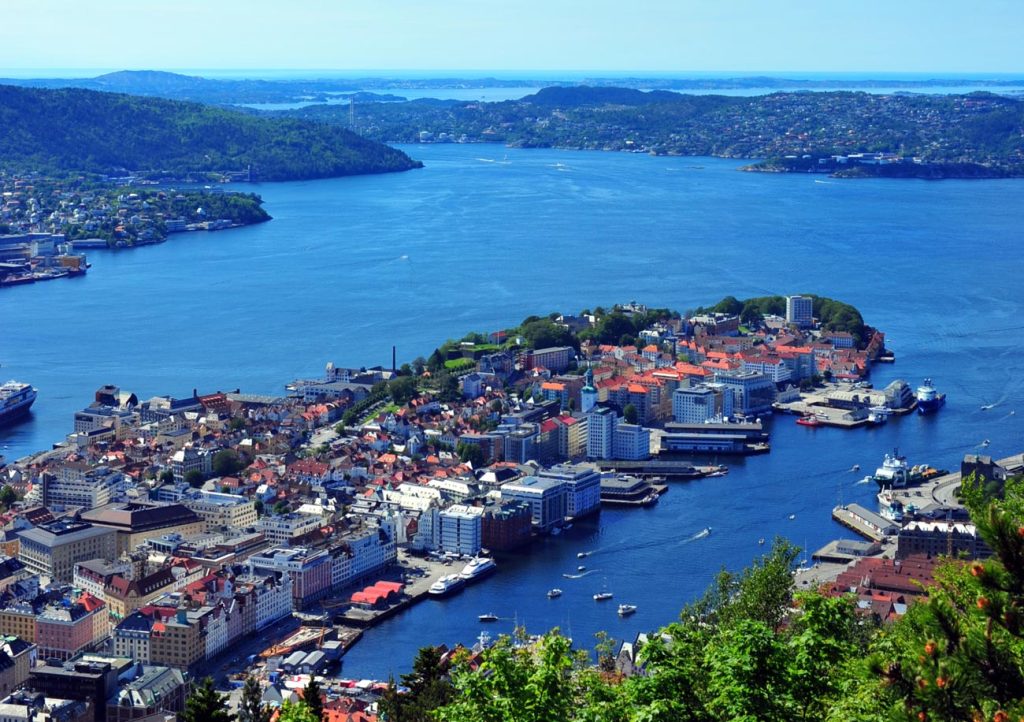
233 534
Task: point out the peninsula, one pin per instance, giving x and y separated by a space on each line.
898 135
121 135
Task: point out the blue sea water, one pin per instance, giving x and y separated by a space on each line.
484 236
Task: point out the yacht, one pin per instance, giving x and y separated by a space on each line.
626 609
602 596
554 593
488 617
446 586
477 568
878 415
581 568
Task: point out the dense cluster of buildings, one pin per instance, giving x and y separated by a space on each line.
166 530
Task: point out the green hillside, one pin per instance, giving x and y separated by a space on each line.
71 131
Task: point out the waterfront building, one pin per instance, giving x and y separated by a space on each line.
582 487
506 526
461 531
800 311
54 548
937 538
571 433
546 497
700 403
753 393
632 442
721 438
310 571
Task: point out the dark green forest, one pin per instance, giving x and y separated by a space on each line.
67 131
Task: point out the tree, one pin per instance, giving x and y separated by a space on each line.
429 689
205 704
251 707
226 462
258 506
629 414
237 423
312 697
471 454
403 389
194 478
167 476
8 496
296 712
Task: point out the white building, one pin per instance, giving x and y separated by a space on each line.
223 510
546 497
601 432
461 529
700 403
78 486
800 310
286 528
582 487
632 442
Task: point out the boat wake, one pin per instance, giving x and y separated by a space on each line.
702 534
825 183
865 480
581 574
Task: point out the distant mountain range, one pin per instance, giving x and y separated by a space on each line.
69 130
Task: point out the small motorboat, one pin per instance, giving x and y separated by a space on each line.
761 541
582 555
602 596
581 568
626 609
792 517
554 593
488 617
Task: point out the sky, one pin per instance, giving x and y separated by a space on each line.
853 36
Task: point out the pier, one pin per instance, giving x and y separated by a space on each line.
866 523
666 468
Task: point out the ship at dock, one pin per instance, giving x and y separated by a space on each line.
928 399
896 473
15 400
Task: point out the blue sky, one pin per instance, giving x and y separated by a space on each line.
913 36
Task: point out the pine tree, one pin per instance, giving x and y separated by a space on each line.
312 697
205 704
251 708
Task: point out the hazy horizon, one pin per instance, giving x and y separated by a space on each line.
529 36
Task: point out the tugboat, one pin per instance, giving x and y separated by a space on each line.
928 399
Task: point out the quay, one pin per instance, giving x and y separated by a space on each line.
864 522
941 491
671 469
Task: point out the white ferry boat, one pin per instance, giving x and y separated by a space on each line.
446 586
477 568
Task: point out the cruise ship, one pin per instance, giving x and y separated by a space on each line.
446 586
477 568
15 400
928 399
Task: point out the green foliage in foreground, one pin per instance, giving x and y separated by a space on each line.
750 649
70 130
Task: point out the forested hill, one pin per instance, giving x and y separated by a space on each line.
73 131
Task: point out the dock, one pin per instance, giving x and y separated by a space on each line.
864 522
844 551
670 469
